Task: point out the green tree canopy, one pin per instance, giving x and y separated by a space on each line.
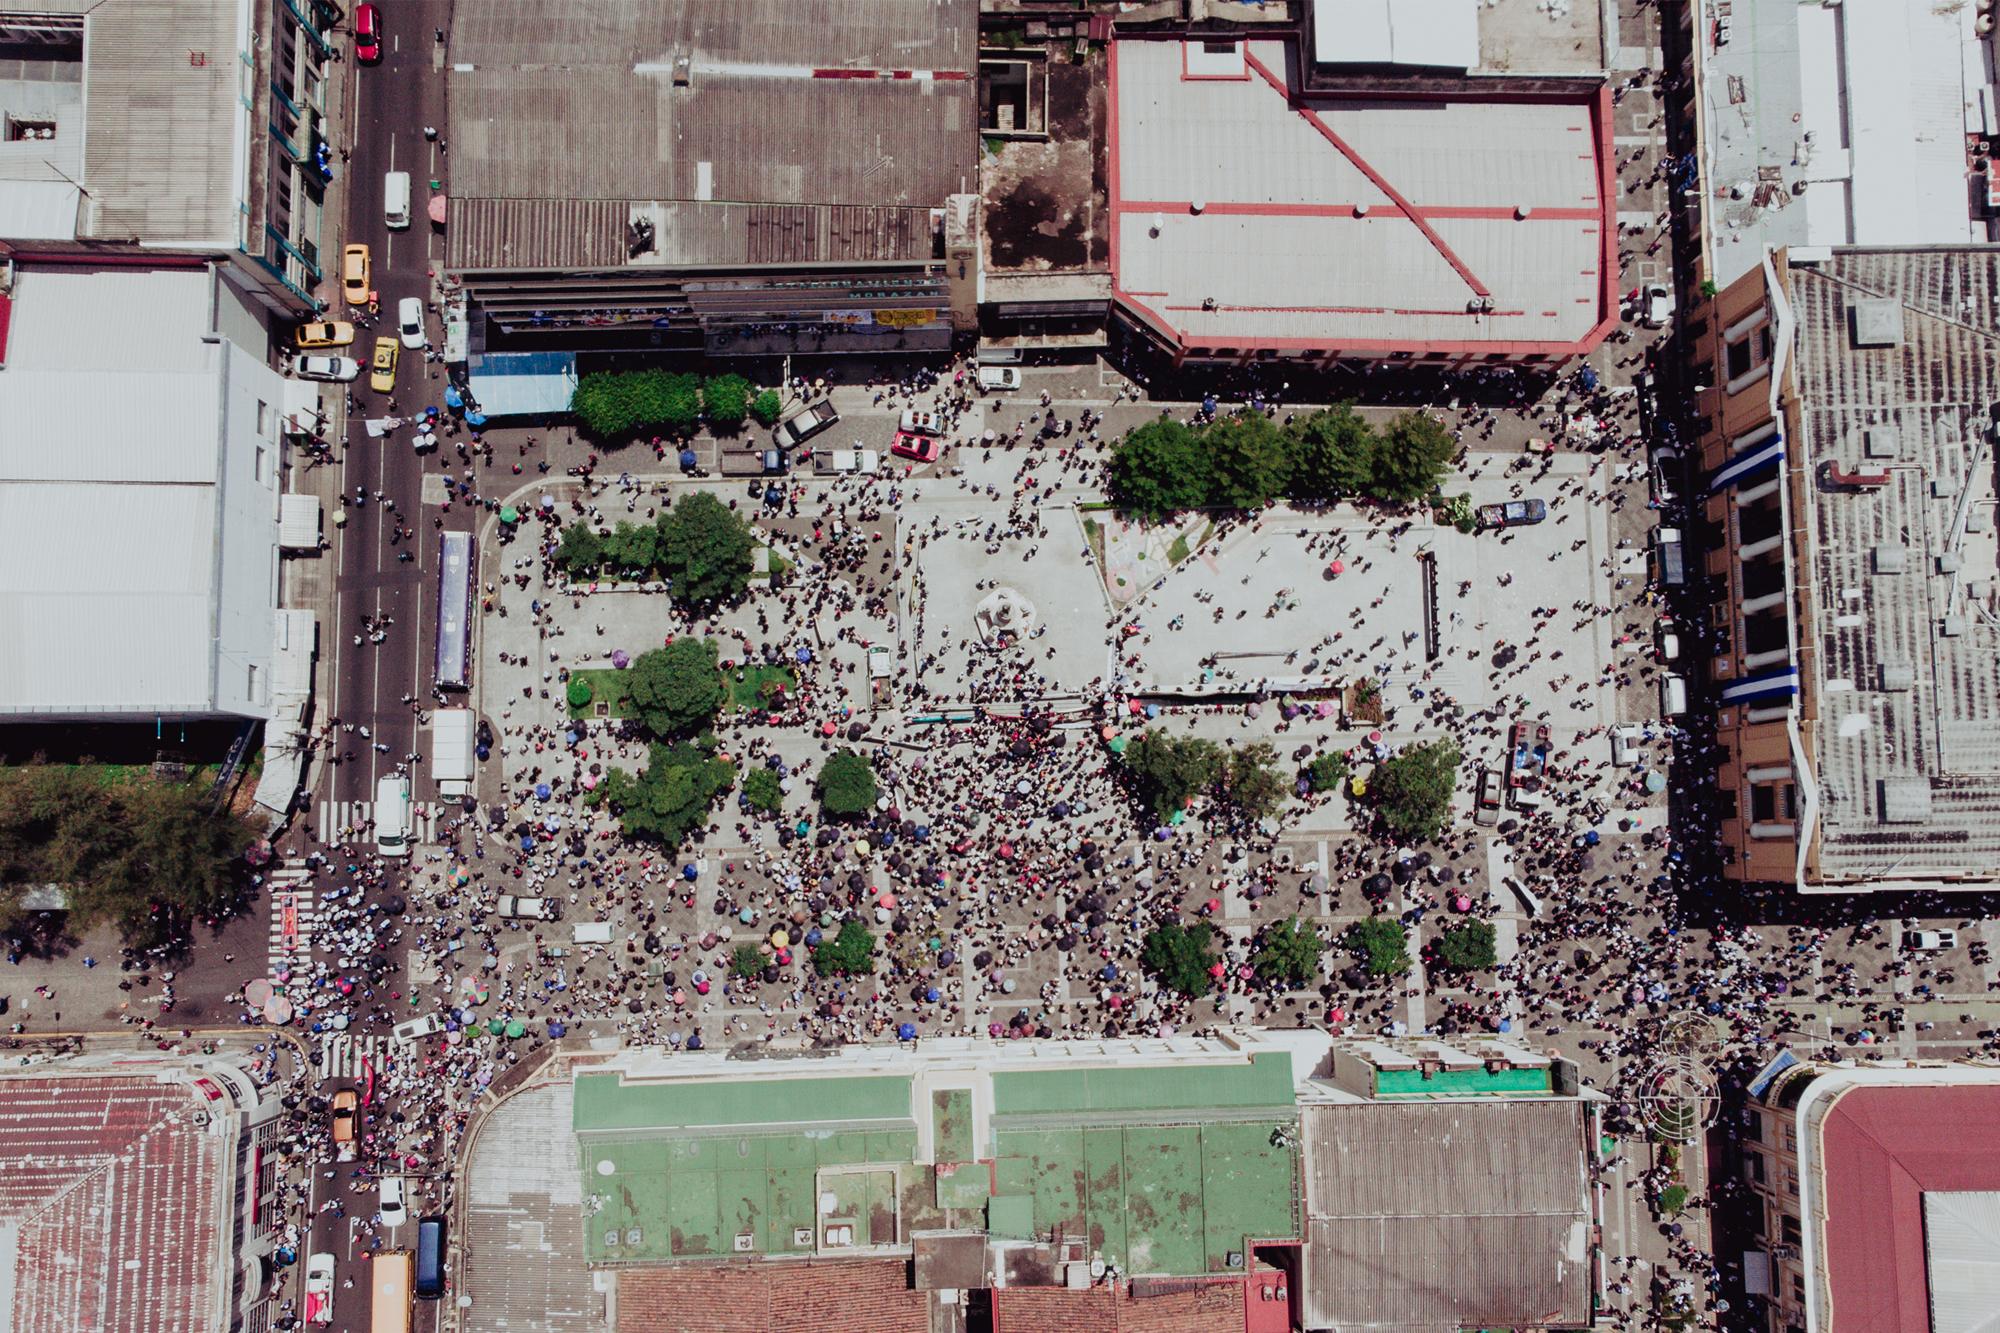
1288 953
1413 790
704 549
1167 771
670 798
680 403
846 784
677 689
766 406
632 549
1253 781
727 401
1333 454
1249 461
851 953
1327 771
1411 460
761 789
745 961
582 550
609 404
1381 945
1179 957
1467 947
1159 468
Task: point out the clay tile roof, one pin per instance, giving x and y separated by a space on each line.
1212 1307
837 1296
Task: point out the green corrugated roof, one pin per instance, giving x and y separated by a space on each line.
605 1102
1265 1081
1462 1082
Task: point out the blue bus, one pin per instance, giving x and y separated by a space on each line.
454 617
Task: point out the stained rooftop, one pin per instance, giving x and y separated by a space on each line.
746 131
1908 763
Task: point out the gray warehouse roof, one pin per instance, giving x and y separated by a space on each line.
1902 655
854 118
1446 1215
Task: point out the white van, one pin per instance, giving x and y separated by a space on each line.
592 932
396 198
1673 696
392 816
416 1029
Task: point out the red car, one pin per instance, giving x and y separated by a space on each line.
367 34
923 448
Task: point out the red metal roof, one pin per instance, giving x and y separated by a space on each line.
831 1296
1203 1306
1882 1148
113 1188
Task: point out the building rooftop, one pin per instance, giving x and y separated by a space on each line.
746 131
1836 124
1902 669
1447 1215
108 1206
1243 216
839 1296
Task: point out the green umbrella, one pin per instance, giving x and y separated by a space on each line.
516 1028
1118 745
495 1025
510 515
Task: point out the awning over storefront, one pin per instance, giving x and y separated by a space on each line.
522 384
298 523
1751 462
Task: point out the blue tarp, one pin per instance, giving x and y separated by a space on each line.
522 384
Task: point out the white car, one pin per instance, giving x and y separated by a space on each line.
333 369
994 379
410 322
319 1288
1929 941
917 422
390 1201
1656 306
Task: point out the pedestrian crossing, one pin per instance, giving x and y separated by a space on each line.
341 1055
295 913
333 816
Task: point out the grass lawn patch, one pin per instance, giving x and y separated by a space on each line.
748 692
1179 551
1094 533
607 693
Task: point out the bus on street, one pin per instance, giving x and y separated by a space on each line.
454 614
390 1301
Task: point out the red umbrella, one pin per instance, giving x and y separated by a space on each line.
1337 567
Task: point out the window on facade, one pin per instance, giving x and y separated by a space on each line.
21 128
1788 1229
263 419
1791 1182
260 464
1746 351
1772 802
1754 1164
252 682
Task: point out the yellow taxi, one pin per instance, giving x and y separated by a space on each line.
355 273
324 333
382 370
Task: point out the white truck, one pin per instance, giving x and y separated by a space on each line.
528 909
454 733
847 460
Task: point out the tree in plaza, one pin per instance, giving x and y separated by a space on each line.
1326 771
1381 945
609 405
766 406
1249 461
846 784
726 399
704 550
680 403
1253 782
761 789
1467 947
1167 771
1413 790
851 953
632 549
1411 460
1179 956
582 550
1288 953
670 798
1333 454
1160 468
746 961
676 690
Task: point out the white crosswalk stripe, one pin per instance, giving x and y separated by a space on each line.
333 816
294 916
341 1055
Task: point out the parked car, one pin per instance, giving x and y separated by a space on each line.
1656 306
410 322
319 1288
324 333
1929 941
994 379
1666 476
382 370
333 369
416 1029
367 34
1486 805
389 1200
528 909
923 448
917 422
847 460
809 421
357 272
1513 514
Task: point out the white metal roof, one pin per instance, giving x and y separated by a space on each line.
38 210
1436 33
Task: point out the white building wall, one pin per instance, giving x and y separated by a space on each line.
247 534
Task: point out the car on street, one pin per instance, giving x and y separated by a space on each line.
1486 806
1513 514
357 272
389 1201
324 333
416 1029
994 379
917 422
923 448
382 370
367 34
1656 306
319 1288
410 322
346 1111
528 909
1666 476
1929 941
847 460
333 369
807 422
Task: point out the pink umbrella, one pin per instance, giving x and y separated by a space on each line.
1374 738
1462 903
1134 706
887 900
589 781
1215 969
827 728
1336 1015
1337 567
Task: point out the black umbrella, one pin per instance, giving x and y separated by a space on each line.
1376 885
982 959
395 907
855 731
